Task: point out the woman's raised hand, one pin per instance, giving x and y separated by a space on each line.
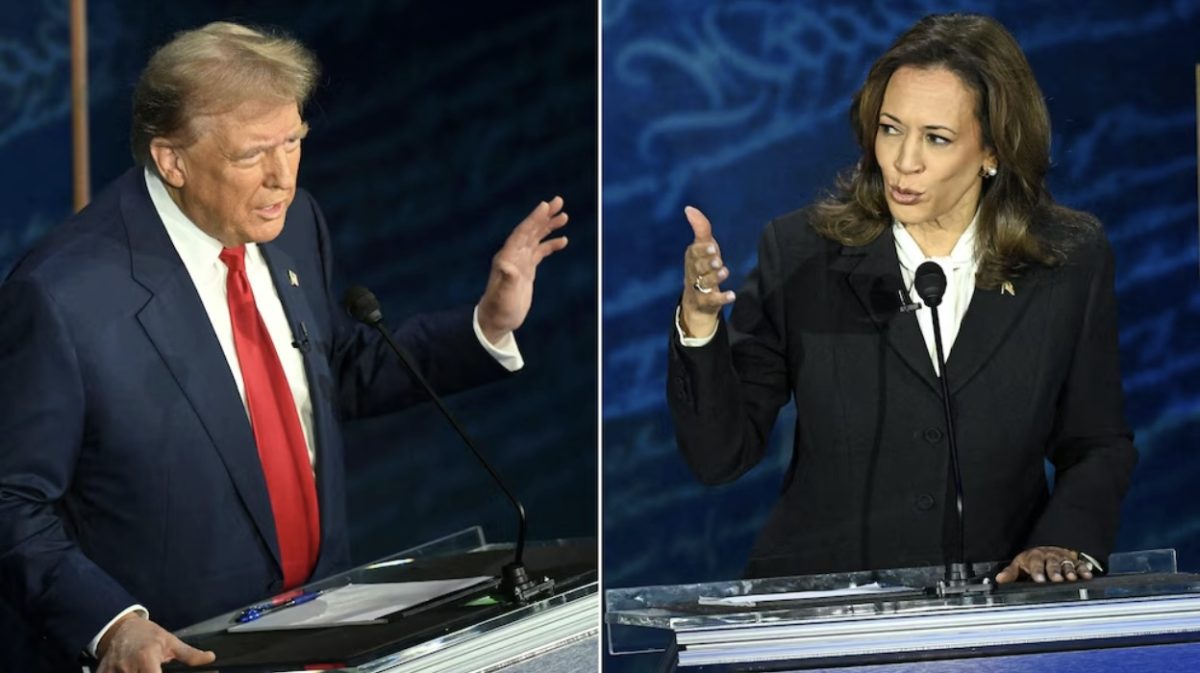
703 273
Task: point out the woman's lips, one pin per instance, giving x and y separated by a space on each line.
903 196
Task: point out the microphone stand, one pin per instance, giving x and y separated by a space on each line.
930 282
959 580
515 582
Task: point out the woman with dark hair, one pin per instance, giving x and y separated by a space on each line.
955 146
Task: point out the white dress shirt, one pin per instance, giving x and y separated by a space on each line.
201 257
959 266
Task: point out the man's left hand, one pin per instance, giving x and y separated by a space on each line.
509 293
1047 563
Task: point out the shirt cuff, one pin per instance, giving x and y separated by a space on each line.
687 341
91 647
505 352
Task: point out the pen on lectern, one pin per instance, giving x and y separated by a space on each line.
252 613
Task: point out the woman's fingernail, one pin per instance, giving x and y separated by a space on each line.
711 249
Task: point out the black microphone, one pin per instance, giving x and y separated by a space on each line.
362 305
930 283
301 342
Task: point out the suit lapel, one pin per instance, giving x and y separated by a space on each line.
874 276
987 322
176 323
873 273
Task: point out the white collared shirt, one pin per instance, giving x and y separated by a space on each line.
201 257
959 266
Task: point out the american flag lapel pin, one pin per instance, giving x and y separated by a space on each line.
1007 288
293 278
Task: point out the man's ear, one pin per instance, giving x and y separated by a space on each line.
169 162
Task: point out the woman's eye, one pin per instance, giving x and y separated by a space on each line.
888 130
938 140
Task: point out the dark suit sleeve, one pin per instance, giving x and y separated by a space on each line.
724 396
1092 449
369 377
43 573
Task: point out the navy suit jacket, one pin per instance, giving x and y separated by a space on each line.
128 469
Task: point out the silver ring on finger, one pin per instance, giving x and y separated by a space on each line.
1068 564
700 287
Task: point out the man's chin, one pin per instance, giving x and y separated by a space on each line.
265 232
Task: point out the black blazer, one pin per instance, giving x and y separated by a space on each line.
1032 375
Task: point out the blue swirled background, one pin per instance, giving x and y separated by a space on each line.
739 108
436 128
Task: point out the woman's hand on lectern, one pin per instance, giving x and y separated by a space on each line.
1040 564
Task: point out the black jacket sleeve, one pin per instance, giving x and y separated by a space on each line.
724 396
1092 447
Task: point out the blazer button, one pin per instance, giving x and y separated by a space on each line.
923 502
933 435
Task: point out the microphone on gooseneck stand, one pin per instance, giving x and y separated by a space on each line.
362 305
930 283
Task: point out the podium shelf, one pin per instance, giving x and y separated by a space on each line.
894 616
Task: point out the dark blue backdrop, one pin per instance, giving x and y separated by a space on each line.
739 108
436 128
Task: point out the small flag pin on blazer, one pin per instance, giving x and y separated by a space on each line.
1007 287
293 278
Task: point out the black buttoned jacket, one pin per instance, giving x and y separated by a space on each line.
1033 375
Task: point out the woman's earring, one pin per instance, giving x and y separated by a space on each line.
989 172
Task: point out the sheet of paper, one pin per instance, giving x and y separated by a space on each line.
356 604
872 589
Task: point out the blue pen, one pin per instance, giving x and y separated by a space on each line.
252 613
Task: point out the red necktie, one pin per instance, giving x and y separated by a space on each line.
276 426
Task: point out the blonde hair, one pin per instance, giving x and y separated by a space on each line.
212 69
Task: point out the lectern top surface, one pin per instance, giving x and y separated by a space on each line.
700 606
441 628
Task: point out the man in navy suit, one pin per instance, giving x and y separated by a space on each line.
175 367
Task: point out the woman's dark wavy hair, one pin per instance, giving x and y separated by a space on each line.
1015 206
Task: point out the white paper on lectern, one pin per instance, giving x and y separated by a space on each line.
872 589
357 604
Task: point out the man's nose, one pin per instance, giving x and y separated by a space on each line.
279 173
